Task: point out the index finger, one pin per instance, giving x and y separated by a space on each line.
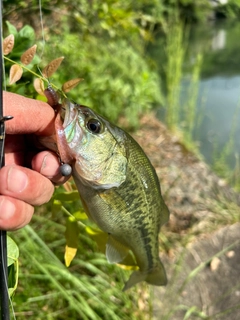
30 116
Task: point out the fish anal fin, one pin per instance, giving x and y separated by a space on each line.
115 251
135 277
156 276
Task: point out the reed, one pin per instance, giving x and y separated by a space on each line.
175 57
89 289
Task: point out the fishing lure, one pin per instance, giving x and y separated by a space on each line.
53 100
52 96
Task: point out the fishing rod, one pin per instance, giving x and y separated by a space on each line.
4 296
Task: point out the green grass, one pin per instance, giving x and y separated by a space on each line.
175 55
89 289
180 119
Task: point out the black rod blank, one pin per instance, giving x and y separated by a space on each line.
4 297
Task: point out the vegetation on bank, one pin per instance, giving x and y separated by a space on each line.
105 43
115 16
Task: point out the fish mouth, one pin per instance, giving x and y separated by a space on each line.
71 128
67 113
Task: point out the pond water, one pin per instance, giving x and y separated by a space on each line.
218 106
217 120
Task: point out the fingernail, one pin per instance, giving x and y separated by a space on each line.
7 209
49 166
16 181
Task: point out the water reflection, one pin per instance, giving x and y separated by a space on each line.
219 40
218 102
219 91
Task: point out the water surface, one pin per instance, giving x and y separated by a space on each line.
217 120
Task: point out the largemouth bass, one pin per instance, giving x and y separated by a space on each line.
118 186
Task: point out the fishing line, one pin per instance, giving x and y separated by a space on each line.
42 29
43 36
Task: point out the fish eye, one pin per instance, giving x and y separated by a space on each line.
94 125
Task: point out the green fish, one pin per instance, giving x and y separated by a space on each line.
118 186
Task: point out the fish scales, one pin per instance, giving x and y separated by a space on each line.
119 188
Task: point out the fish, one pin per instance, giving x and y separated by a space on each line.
118 187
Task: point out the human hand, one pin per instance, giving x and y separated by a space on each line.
26 180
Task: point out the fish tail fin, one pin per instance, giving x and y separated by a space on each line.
156 276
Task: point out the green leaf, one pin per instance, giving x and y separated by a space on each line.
12 278
11 28
99 236
72 232
12 251
67 196
12 255
80 215
56 208
27 32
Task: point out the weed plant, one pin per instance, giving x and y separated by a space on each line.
181 119
89 289
175 55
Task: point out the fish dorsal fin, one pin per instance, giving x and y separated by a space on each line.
115 251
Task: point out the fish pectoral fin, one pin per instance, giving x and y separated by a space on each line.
115 251
156 277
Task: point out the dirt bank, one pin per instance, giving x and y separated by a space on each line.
200 244
196 197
